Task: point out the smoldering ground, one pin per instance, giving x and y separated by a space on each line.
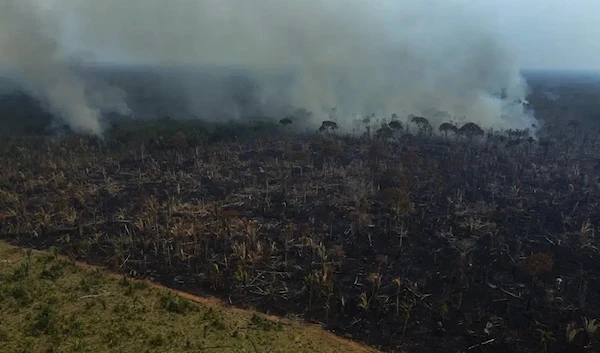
362 57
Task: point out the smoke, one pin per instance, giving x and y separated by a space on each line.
362 57
31 52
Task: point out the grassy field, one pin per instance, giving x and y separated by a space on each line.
51 304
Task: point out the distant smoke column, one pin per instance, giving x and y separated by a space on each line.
27 48
381 57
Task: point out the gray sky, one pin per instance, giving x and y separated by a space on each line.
557 34
550 33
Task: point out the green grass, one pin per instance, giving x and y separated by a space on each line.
49 304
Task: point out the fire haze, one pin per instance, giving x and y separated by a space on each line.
384 57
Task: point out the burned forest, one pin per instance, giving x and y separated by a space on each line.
408 236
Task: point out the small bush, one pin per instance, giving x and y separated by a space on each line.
174 303
157 341
53 272
90 282
44 322
264 324
213 319
21 295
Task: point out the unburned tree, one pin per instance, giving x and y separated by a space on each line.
384 133
423 125
285 121
396 126
471 130
328 125
445 128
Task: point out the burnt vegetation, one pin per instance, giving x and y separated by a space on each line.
408 240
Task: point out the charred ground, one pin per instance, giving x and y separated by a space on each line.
407 241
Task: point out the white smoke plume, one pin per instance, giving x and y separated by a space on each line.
31 51
363 57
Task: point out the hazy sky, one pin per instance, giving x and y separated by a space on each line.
550 33
543 33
